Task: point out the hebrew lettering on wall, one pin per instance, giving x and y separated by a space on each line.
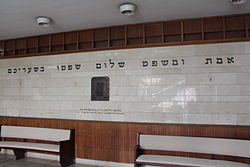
163 63
219 60
110 64
25 70
120 64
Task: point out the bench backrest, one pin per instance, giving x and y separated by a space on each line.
230 147
35 133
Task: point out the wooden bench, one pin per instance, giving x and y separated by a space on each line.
21 139
203 145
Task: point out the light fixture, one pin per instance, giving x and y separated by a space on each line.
43 21
127 9
238 2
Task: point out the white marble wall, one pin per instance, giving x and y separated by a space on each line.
191 92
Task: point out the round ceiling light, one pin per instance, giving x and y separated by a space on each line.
238 2
43 21
127 9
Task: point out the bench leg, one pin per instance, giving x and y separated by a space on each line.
66 159
65 164
19 153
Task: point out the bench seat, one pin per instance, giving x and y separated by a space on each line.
186 161
30 146
19 139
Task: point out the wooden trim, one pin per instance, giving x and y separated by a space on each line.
162 32
93 39
143 34
224 28
247 34
50 42
109 38
202 29
116 141
77 40
126 36
182 31
159 164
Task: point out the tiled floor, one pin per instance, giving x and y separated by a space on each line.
10 161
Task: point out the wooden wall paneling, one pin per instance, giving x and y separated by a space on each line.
115 141
230 28
235 27
20 48
213 28
70 40
1 48
9 48
86 39
44 44
153 33
32 45
117 36
135 34
172 31
101 37
192 30
57 42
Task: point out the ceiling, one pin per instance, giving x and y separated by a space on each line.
17 17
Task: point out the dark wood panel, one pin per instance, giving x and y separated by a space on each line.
21 43
70 41
44 43
9 45
192 26
153 40
57 39
117 43
153 29
235 23
213 24
101 44
70 38
193 37
172 38
85 45
135 41
32 42
117 32
101 34
213 35
44 40
115 141
172 28
135 31
9 48
236 34
86 36
20 48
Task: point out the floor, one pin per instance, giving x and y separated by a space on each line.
10 161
